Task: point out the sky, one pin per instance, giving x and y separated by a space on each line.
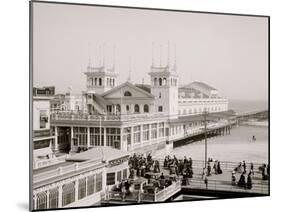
227 52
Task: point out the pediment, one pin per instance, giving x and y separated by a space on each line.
128 88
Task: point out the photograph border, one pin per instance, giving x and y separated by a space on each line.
136 8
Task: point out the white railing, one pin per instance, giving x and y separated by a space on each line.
64 170
48 162
168 191
120 117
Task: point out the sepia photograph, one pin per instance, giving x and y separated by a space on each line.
142 105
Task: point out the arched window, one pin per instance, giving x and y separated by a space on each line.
164 81
118 108
127 93
41 200
127 108
146 109
190 111
160 81
92 81
155 81
137 108
96 83
113 82
100 82
68 194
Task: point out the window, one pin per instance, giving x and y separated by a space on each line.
53 198
153 131
137 108
82 188
160 81
164 81
118 108
145 132
42 200
99 182
124 173
68 194
91 185
43 119
155 81
110 178
96 138
146 109
160 95
160 108
190 111
80 133
127 93
92 81
100 82
127 135
161 129
96 81
127 108
136 134
113 137
119 176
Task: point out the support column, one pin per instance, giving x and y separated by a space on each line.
35 202
141 140
121 139
132 138
71 139
60 197
88 137
104 136
86 188
76 189
48 198
56 139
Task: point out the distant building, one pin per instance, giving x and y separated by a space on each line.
42 135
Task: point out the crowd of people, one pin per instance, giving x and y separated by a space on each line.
245 179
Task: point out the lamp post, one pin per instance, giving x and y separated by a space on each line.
205 133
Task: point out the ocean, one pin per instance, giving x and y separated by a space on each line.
247 105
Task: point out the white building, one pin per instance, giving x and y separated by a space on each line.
136 117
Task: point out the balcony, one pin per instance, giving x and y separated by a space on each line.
120 117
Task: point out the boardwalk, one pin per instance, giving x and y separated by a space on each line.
216 183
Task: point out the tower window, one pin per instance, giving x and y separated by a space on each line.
127 93
160 81
146 108
164 81
127 108
160 108
155 81
137 108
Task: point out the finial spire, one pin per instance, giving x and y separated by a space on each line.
152 54
104 53
89 54
168 59
130 69
114 50
100 55
160 55
175 64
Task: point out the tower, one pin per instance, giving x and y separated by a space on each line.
164 85
100 78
